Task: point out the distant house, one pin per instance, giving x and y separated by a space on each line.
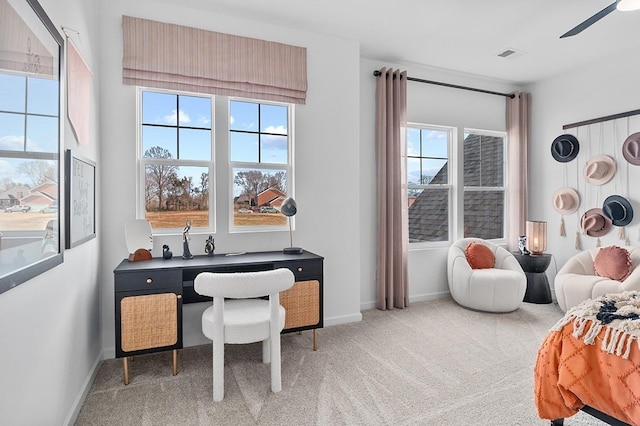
242 201
271 197
12 196
44 195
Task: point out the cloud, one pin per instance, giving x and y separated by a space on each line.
12 143
231 119
281 130
172 118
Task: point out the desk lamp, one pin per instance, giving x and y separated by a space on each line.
289 208
536 236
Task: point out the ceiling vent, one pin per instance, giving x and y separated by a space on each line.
510 53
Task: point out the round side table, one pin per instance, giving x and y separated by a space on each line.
534 267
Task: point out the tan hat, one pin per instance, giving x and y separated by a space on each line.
599 169
631 149
566 200
594 223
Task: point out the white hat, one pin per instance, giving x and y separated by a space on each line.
566 200
599 169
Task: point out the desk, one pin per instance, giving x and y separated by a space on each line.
534 267
149 296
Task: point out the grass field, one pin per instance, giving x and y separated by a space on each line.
30 221
200 218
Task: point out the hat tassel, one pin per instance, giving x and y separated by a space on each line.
562 231
598 242
621 234
578 241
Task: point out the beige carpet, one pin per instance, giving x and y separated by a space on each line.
434 363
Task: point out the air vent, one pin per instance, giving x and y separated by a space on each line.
510 53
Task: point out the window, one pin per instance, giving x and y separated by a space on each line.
439 200
428 183
260 163
176 159
484 186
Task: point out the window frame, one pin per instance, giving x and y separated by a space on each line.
288 167
142 162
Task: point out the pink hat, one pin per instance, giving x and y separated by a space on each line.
631 149
594 223
599 169
566 200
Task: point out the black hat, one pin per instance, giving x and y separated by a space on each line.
565 148
618 209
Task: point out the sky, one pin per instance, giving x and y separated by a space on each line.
426 143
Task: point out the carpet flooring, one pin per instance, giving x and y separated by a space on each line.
434 363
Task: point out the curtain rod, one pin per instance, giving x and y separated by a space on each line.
601 119
377 73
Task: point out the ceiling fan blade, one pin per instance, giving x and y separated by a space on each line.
587 23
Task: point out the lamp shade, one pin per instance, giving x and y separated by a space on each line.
536 236
289 207
627 5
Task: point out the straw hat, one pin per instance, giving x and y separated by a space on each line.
618 209
599 169
594 223
565 148
631 149
566 200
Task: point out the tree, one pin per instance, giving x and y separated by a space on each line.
254 182
39 171
159 176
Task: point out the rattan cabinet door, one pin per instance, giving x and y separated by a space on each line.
149 321
302 304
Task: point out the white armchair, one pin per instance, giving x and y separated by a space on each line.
577 281
497 289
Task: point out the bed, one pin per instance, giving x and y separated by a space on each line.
590 361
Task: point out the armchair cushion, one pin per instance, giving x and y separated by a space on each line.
479 255
613 262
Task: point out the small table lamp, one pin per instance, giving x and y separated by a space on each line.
536 236
289 208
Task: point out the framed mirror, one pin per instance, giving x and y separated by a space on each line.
31 52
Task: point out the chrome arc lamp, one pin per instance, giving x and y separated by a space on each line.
289 208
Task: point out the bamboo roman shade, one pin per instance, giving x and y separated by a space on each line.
182 58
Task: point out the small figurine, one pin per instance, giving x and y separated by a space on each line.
522 244
166 253
186 253
209 246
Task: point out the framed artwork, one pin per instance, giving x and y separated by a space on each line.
80 196
31 52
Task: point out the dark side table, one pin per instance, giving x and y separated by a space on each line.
534 267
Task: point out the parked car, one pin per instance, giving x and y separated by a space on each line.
17 208
50 209
266 209
243 211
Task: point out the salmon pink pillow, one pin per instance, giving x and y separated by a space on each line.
613 262
479 256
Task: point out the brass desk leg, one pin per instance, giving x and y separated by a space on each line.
175 362
315 339
125 365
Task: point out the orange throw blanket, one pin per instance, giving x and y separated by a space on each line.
585 362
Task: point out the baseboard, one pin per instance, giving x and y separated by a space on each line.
82 395
412 299
327 322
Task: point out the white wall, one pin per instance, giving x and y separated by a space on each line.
428 104
605 88
50 326
326 161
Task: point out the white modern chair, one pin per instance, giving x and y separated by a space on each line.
497 289
244 317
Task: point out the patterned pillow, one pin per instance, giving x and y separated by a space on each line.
613 262
479 256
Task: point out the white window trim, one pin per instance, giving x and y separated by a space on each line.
141 162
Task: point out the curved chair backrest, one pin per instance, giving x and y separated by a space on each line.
240 285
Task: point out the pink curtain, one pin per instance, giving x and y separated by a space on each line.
391 181
518 143
189 59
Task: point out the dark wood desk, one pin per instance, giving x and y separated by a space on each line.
149 296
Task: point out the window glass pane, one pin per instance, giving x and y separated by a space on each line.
484 214
159 108
243 147
12 88
12 132
256 195
243 116
413 142
434 172
273 119
42 96
42 134
483 160
195 144
435 143
414 175
273 149
159 142
428 214
176 194
195 111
